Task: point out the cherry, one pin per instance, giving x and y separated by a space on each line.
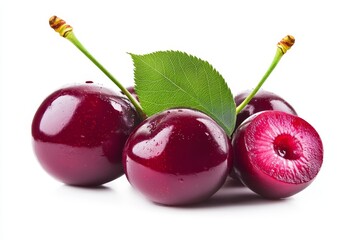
276 154
177 157
79 132
263 100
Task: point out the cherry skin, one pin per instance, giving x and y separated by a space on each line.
177 157
262 101
276 154
79 132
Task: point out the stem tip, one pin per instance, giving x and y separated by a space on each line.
60 26
286 43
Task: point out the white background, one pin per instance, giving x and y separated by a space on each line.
318 76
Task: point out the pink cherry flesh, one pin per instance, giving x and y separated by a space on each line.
277 154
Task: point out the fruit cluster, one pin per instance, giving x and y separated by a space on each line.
87 135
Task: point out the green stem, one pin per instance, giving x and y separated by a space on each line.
275 61
66 31
284 45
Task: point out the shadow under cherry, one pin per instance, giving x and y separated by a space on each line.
234 193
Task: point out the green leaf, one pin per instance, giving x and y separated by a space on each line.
170 79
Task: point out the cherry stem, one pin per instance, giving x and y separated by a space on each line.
66 31
282 47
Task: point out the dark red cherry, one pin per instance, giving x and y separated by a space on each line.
262 101
79 133
177 157
276 154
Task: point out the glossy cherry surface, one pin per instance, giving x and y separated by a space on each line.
176 157
262 101
277 154
79 132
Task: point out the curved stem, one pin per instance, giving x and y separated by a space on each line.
282 47
276 60
66 31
